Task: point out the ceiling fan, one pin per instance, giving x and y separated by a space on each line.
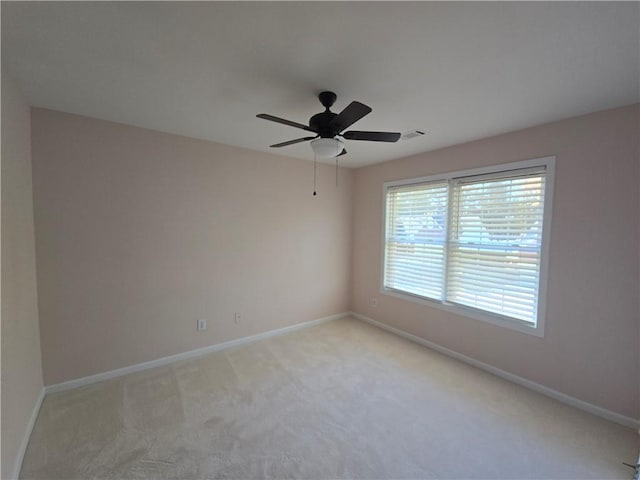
328 126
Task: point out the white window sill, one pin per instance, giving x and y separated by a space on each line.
494 319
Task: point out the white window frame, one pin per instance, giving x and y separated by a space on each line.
485 316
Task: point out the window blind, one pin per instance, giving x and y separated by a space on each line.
473 241
415 239
495 243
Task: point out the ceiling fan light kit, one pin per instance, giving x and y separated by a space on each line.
327 147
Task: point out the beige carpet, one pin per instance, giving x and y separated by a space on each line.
340 400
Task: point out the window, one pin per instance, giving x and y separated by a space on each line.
472 242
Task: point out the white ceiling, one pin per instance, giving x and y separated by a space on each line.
461 71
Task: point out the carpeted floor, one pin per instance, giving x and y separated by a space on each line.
339 400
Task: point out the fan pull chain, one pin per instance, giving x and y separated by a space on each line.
336 172
314 175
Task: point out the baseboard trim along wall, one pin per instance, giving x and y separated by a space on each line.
27 435
536 387
100 377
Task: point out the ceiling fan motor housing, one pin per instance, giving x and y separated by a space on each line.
321 123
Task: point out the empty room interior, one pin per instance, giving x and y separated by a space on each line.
320 240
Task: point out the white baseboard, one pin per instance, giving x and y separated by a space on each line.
536 387
27 435
158 362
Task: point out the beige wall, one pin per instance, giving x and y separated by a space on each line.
590 348
140 233
21 366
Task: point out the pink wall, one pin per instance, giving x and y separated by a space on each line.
590 349
141 233
21 366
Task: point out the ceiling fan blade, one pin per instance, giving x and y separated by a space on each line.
350 115
344 152
291 142
371 136
271 118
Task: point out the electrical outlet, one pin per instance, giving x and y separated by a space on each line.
202 325
237 318
374 302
